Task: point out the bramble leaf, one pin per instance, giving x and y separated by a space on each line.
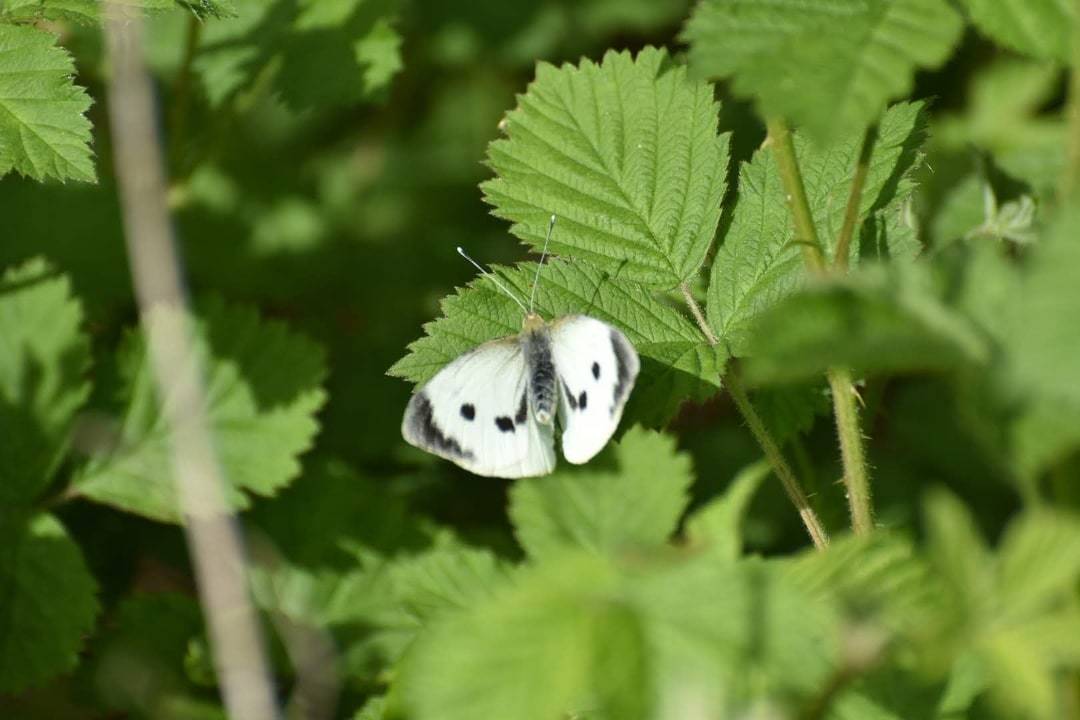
878 320
43 358
635 505
1040 28
677 362
48 603
263 387
828 67
717 525
758 265
44 132
626 154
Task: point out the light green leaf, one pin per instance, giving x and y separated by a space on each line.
879 320
48 604
446 579
637 504
626 154
1039 562
263 385
958 551
43 359
530 652
829 67
374 709
1040 28
758 264
677 362
718 524
43 127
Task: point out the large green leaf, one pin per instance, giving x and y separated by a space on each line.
263 386
717 525
1041 28
43 359
879 320
44 132
758 264
626 154
636 504
677 362
48 603
829 67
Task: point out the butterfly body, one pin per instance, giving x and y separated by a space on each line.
493 409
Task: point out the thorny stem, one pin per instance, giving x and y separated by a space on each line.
847 416
768 445
854 203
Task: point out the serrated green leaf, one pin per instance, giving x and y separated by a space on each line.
48 603
958 551
758 265
677 362
717 525
263 385
446 579
1040 28
530 652
829 67
90 11
43 359
637 504
626 154
44 132
879 320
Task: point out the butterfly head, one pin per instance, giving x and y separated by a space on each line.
532 321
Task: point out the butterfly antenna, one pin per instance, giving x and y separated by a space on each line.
491 276
536 280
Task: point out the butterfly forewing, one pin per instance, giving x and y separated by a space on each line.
475 412
596 367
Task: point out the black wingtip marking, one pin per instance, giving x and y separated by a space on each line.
596 371
504 423
422 426
622 370
522 413
582 400
468 411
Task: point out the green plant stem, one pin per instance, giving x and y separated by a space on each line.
1070 175
854 203
768 445
847 417
805 231
856 481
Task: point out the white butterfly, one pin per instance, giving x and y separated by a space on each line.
492 410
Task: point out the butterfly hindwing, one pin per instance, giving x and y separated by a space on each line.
596 367
475 413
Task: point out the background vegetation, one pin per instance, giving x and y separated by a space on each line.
822 219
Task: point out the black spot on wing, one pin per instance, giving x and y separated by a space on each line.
422 426
622 370
522 413
596 371
468 411
504 423
582 399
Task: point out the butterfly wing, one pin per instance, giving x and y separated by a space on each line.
475 413
596 367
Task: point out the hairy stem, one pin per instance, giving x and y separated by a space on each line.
768 445
805 231
847 417
854 203
851 450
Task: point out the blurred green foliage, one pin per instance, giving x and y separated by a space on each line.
324 159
